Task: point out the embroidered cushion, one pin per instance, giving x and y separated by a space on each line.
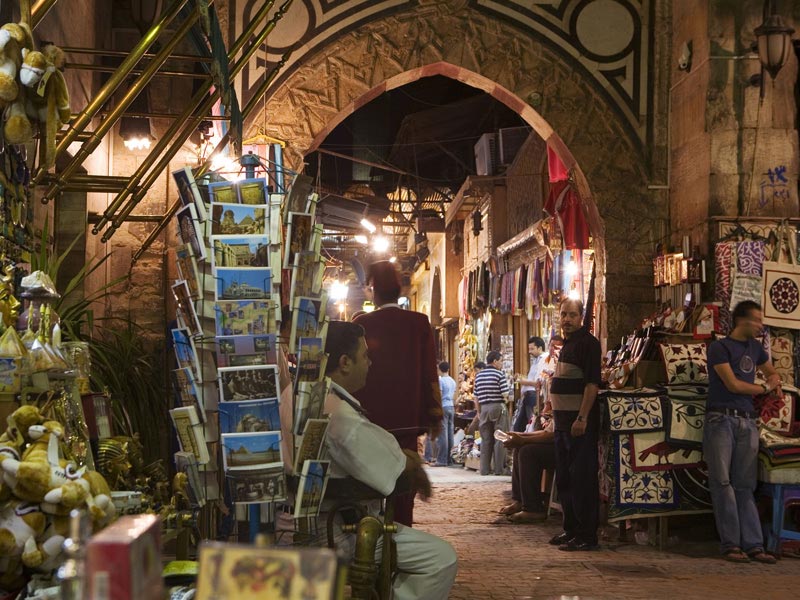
685 363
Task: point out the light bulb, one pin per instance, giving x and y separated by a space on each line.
393 259
137 143
368 226
380 244
572 268
338 291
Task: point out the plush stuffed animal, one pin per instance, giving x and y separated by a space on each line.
17 128
42 553
20 525
40 472
48 96
97 499
15 438
13 38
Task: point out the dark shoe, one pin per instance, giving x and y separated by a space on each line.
561 538
528 517
576 545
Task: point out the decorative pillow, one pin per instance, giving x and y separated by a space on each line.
630 413
782 354
775 411
685 419
685 363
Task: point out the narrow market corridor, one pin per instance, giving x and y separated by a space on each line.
514 562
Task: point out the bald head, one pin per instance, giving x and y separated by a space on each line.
571 315
572 303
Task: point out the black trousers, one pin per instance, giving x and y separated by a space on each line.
526 477
527 405
576 477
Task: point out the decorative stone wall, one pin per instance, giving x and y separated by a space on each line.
573 114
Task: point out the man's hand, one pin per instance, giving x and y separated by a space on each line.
578 428
774 382
515 440
416 474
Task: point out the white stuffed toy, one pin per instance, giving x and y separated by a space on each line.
13 38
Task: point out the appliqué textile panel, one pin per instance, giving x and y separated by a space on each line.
750 257
651 452
635 413
684 422
781 295
775 411
723 273
646 489
782 354
685 363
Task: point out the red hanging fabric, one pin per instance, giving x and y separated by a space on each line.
564 204
556 169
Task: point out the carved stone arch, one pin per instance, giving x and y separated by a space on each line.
572 116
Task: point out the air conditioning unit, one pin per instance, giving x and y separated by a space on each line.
509 141
486 154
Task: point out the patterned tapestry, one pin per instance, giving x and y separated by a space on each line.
750 257
685 363
651 452
644 489
723 273
782 353
685 420
781 295
635 413
775 411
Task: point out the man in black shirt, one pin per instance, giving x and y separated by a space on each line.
573 392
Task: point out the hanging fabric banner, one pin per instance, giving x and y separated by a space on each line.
781 295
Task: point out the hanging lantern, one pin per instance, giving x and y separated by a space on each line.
774 41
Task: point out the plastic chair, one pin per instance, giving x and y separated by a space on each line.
782 495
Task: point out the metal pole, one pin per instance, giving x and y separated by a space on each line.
114 81
39 10
180 122
98 52
88 147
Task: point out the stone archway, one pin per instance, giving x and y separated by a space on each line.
572 114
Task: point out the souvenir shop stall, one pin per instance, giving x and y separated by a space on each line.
657 379
249 301
521 281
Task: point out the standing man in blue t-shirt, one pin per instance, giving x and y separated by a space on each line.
730 437
447 385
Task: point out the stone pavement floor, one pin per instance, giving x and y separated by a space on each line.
514 562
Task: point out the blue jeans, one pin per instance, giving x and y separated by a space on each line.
730 449
444 443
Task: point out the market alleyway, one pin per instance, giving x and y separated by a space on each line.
511 562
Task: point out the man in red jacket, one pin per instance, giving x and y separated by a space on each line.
402 392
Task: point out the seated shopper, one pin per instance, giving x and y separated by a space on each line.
357 448
533 453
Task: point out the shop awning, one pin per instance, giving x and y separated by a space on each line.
523 238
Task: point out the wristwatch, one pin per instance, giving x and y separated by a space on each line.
580 419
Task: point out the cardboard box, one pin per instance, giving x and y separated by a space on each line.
123 561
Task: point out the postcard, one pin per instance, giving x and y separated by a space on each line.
298 237
187 269
186 391
311 444
248 383
190 432
183 298
189 231
244 317
297 197
249 573
309 403
251 251
255 487
189 191
223 192
312 360
186 462
238 220
248 451
307 274
252 191
247 350
241 283
306 315
185 352
251 416
275 218
311 490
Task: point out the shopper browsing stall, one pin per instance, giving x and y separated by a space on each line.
491 392
730 437
531 385
447 386
573 392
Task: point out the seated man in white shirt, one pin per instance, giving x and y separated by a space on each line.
360 449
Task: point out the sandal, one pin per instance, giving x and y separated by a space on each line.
510 509
528 517
762 557
735 555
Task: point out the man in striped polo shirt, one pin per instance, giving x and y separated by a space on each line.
491 391
573 391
